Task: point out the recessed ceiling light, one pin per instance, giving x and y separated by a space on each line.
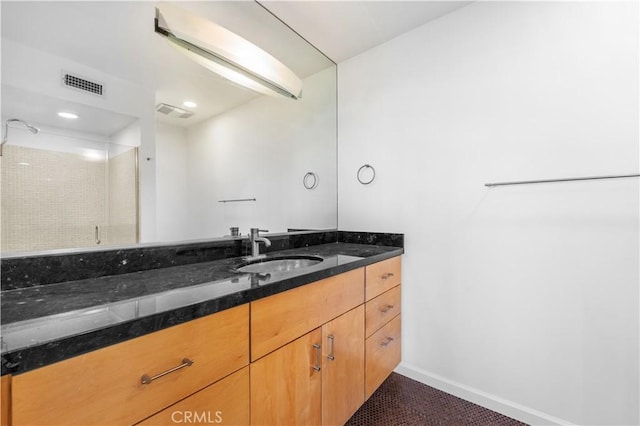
67 115
190 104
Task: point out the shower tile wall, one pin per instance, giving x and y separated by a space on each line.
53 200
123 211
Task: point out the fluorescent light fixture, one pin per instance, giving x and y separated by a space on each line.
225 53
190 104
69 115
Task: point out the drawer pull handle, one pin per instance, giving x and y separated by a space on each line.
387 275
331 355
318 357
146 379
387 341
386 309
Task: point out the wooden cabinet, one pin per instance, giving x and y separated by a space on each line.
225 402
382 322
281 318
382 355
105 386
342 367
286 385
382 276
316 379
380 310
5 400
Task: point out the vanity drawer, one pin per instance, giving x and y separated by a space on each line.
279 319
380 310
382 355
225 402
104 387
382 276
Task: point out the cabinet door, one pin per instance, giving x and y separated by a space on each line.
225 402
286 385
5 400
343 367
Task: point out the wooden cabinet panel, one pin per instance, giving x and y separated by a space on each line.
382 276
285 387
279 319
5 400
104 386
382 355
343 367
381 310
225 402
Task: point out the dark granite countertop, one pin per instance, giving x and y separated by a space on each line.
43 324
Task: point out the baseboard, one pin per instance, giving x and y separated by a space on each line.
508 408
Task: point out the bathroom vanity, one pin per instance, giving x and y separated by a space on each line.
303 347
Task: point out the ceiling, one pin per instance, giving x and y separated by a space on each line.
343 29
109 37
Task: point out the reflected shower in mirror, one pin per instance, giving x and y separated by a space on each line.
69 189
216 140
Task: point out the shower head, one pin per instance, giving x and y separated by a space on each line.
32 129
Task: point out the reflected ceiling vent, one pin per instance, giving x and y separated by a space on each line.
79 83
173 111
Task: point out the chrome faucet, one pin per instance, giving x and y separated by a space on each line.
255 239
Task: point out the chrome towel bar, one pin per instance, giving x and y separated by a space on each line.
239 199
526 182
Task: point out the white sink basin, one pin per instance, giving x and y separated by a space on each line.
278 264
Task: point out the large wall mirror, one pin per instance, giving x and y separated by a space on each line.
162 149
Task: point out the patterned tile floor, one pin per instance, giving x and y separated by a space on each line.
403 401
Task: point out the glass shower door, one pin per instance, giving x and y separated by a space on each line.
68 192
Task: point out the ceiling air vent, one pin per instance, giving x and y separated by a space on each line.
83 84
173 111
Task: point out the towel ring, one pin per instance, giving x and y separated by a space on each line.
310 180
366 181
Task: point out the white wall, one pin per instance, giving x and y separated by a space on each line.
524 298
171 180
262 150
124 139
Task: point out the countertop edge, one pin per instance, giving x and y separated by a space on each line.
30 358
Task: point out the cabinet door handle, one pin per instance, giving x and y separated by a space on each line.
386 309
146 379
387 341
318 357
387 275
332 338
